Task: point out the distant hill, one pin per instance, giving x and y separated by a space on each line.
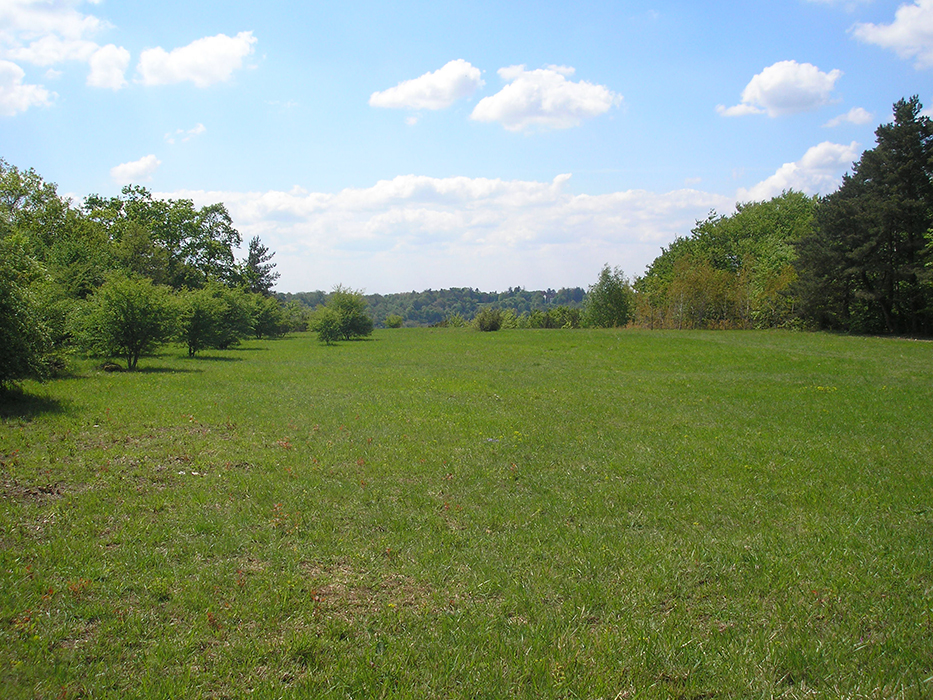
433 306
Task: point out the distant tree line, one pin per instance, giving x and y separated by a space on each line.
432 307
858 260
118 276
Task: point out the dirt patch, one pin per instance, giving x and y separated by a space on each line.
350 594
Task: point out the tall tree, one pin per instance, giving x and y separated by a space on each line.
610 302
865 264
257 274
180 245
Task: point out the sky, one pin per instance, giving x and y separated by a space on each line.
406 146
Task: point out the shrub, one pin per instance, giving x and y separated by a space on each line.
326 323
394 321
126 317
24 336
489 319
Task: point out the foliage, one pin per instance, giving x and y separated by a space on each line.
24 335
865 266
200 317
394 321
269 320
296 317
169 241
326 323
438 307
236 317
343 316
127 317
733 271
489 319
256 273
610 301
56 256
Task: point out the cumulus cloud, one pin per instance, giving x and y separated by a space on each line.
856 115
108 66
459 231
203 62
544 98
23 20
15 96
136 171
818 172
437 90
787 87
52 49
910 35
50 33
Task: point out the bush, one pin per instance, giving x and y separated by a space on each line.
199 320
326 323
127 317
24 336
489 319
394 321
343 316
269 319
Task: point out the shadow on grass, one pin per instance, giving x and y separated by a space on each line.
16 403
211 358
162 370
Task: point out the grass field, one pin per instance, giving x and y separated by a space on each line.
452 514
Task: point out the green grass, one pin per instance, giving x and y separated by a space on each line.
443 513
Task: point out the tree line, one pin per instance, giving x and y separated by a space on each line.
859 260
118 276
432 307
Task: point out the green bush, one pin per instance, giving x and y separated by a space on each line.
24 336
326 323
489 319
394 321
127 317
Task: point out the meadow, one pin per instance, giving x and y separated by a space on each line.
442 513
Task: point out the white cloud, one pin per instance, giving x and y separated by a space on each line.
856 115
818 172
204 62
544 98
108 66
185 134
50 33
787 87
437 90
910 35
17 97
137 171
459 231
51 49
25 20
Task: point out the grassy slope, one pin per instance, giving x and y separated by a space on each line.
456 514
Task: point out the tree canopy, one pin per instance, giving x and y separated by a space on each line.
112 275
865 266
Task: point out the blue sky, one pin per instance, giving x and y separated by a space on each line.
397 147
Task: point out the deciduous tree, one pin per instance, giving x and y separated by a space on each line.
127 317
